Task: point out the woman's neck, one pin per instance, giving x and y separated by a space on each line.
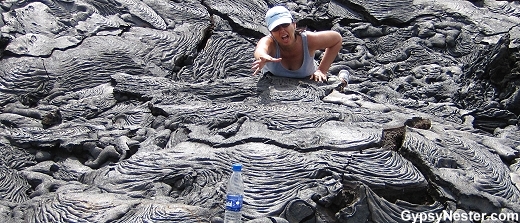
291 47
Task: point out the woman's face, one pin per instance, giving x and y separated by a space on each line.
284 33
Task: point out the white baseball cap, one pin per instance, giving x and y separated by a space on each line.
277 15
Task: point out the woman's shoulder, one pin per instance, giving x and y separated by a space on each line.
321 35
268 44
314 34
268 39
321 39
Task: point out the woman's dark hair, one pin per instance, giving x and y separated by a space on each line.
300 29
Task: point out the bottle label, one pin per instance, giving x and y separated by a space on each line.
234 202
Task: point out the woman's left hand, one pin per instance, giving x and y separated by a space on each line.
319 76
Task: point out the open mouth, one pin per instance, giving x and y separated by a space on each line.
285 37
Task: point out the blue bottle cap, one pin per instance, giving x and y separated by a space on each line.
237 167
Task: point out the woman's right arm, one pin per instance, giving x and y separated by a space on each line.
263 54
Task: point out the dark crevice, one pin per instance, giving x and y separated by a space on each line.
248 140
393 139
416 195
268 141
368 17
123 29
434 188
208 32
361 10
32 98
7 41
237 28
121 96
315 25
187 59
4 41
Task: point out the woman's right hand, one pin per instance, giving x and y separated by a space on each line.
260 63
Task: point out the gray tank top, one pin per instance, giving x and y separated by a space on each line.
308 66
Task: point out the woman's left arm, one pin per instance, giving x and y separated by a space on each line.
331 42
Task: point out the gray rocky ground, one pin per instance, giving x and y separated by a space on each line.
134 111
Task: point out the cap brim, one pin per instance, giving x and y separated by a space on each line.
279 22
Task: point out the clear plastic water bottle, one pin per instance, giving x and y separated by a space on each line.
234 196
344 76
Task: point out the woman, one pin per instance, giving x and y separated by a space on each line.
289 53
